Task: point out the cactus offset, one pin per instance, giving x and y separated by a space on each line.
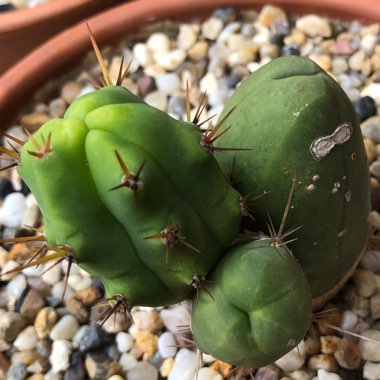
261 307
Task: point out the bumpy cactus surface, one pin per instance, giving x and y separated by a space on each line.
132 195
261 305
138 200
297 121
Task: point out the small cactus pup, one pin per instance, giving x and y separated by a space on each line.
299 122
131 195
260 306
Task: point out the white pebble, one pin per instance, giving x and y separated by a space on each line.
52 273
211 28
293 360
371 371
16 286
314 26
86 90
27 339
8 266
171 60
143 371
185 365
157 99
187 35
127 361
208 373
372 90
370 350
60 355
167 345
158 42
230 28
59 288
130 60
124 341
12 210
209 83
368 43
324 375
142 54
168 83
65 328
79 282
349 320
175 316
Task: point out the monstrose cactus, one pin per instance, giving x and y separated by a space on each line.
140 200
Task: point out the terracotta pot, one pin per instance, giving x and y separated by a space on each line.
62 51
23 30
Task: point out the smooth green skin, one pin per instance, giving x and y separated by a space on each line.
261 307
106 229
280 110
84 104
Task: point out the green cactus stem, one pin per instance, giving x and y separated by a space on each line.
133 194
297 121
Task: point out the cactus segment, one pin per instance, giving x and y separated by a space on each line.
86 103
298 121
261 306
106 183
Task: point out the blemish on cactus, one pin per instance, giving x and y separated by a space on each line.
322 146
347 195
311 188
316 177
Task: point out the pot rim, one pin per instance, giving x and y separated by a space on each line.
66 48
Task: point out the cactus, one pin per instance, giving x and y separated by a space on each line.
138 200
260 306
114 182
297 121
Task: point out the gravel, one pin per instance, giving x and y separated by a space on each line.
42 336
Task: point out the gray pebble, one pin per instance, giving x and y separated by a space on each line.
371 128
176 105
57 107
17 371
76 370
93 338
